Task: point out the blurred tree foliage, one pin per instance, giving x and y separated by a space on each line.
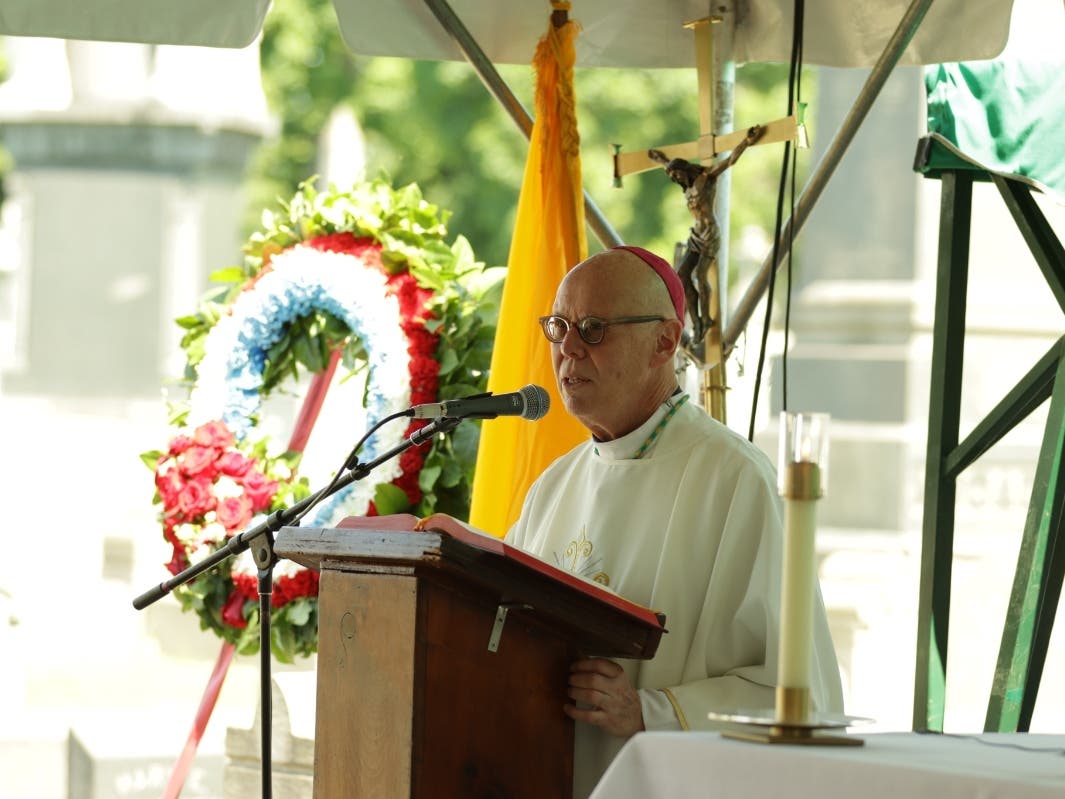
434 123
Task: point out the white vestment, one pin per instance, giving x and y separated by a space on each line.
693 530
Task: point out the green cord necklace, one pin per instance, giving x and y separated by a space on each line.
659 428
674 407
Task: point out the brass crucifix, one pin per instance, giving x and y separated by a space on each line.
699 266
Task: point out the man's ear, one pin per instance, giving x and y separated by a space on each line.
669 335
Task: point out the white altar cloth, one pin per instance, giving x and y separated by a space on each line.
680 765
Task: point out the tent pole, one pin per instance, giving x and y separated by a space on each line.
498 87
722 112
911 20
717 116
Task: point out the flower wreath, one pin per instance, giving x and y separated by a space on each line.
365 273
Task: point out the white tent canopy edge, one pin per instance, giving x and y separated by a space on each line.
616 33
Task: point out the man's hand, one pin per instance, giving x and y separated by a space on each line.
607 698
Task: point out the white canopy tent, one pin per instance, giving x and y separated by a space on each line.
616 33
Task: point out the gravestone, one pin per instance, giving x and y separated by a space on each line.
128 761
292 743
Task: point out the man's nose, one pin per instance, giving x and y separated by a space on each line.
572 345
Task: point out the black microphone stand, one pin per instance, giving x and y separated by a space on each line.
260 539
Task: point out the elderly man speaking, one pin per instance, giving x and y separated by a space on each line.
667 507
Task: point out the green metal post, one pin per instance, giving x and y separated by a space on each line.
1040 236
948 343
1037 583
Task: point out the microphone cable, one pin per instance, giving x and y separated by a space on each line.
350 462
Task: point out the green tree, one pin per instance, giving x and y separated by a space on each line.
306 72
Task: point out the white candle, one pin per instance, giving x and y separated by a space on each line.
802 474
797 586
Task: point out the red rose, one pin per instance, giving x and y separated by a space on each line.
234 513
412 299
409 484
307 583
334 242
303 583
178 562
365 248
179 444
419 301
423 387
420 396
398 282
420 341
213 434
422 367
401 286
371 257
233 464
424 372
411 461
199 461
415 426
233 611
259 488
195 499
169 534
169 485
247 585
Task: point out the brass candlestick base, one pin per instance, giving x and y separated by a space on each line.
793 704
791 722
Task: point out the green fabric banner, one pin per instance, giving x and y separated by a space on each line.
997 116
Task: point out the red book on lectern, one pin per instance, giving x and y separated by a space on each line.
443 523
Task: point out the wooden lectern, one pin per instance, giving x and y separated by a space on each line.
443 660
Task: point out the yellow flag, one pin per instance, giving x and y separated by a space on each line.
548 240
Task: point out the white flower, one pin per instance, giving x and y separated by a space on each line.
187 534
244 563
213 531
200 553
287 568
226 487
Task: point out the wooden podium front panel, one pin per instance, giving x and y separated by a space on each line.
492 723
412 703
365 705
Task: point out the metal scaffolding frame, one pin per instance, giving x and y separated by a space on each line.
1041 559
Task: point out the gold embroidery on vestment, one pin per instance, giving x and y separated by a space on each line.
577 558
677 709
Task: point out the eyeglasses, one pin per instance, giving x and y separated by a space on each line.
591 329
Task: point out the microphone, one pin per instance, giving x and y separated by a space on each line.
529 403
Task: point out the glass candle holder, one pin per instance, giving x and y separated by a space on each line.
803 446
802 476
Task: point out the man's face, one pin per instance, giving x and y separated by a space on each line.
603 385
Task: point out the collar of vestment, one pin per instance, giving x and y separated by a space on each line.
640 441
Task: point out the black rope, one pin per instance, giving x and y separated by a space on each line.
794 81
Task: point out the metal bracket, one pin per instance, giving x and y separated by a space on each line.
501 618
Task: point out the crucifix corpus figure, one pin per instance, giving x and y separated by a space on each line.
704 240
